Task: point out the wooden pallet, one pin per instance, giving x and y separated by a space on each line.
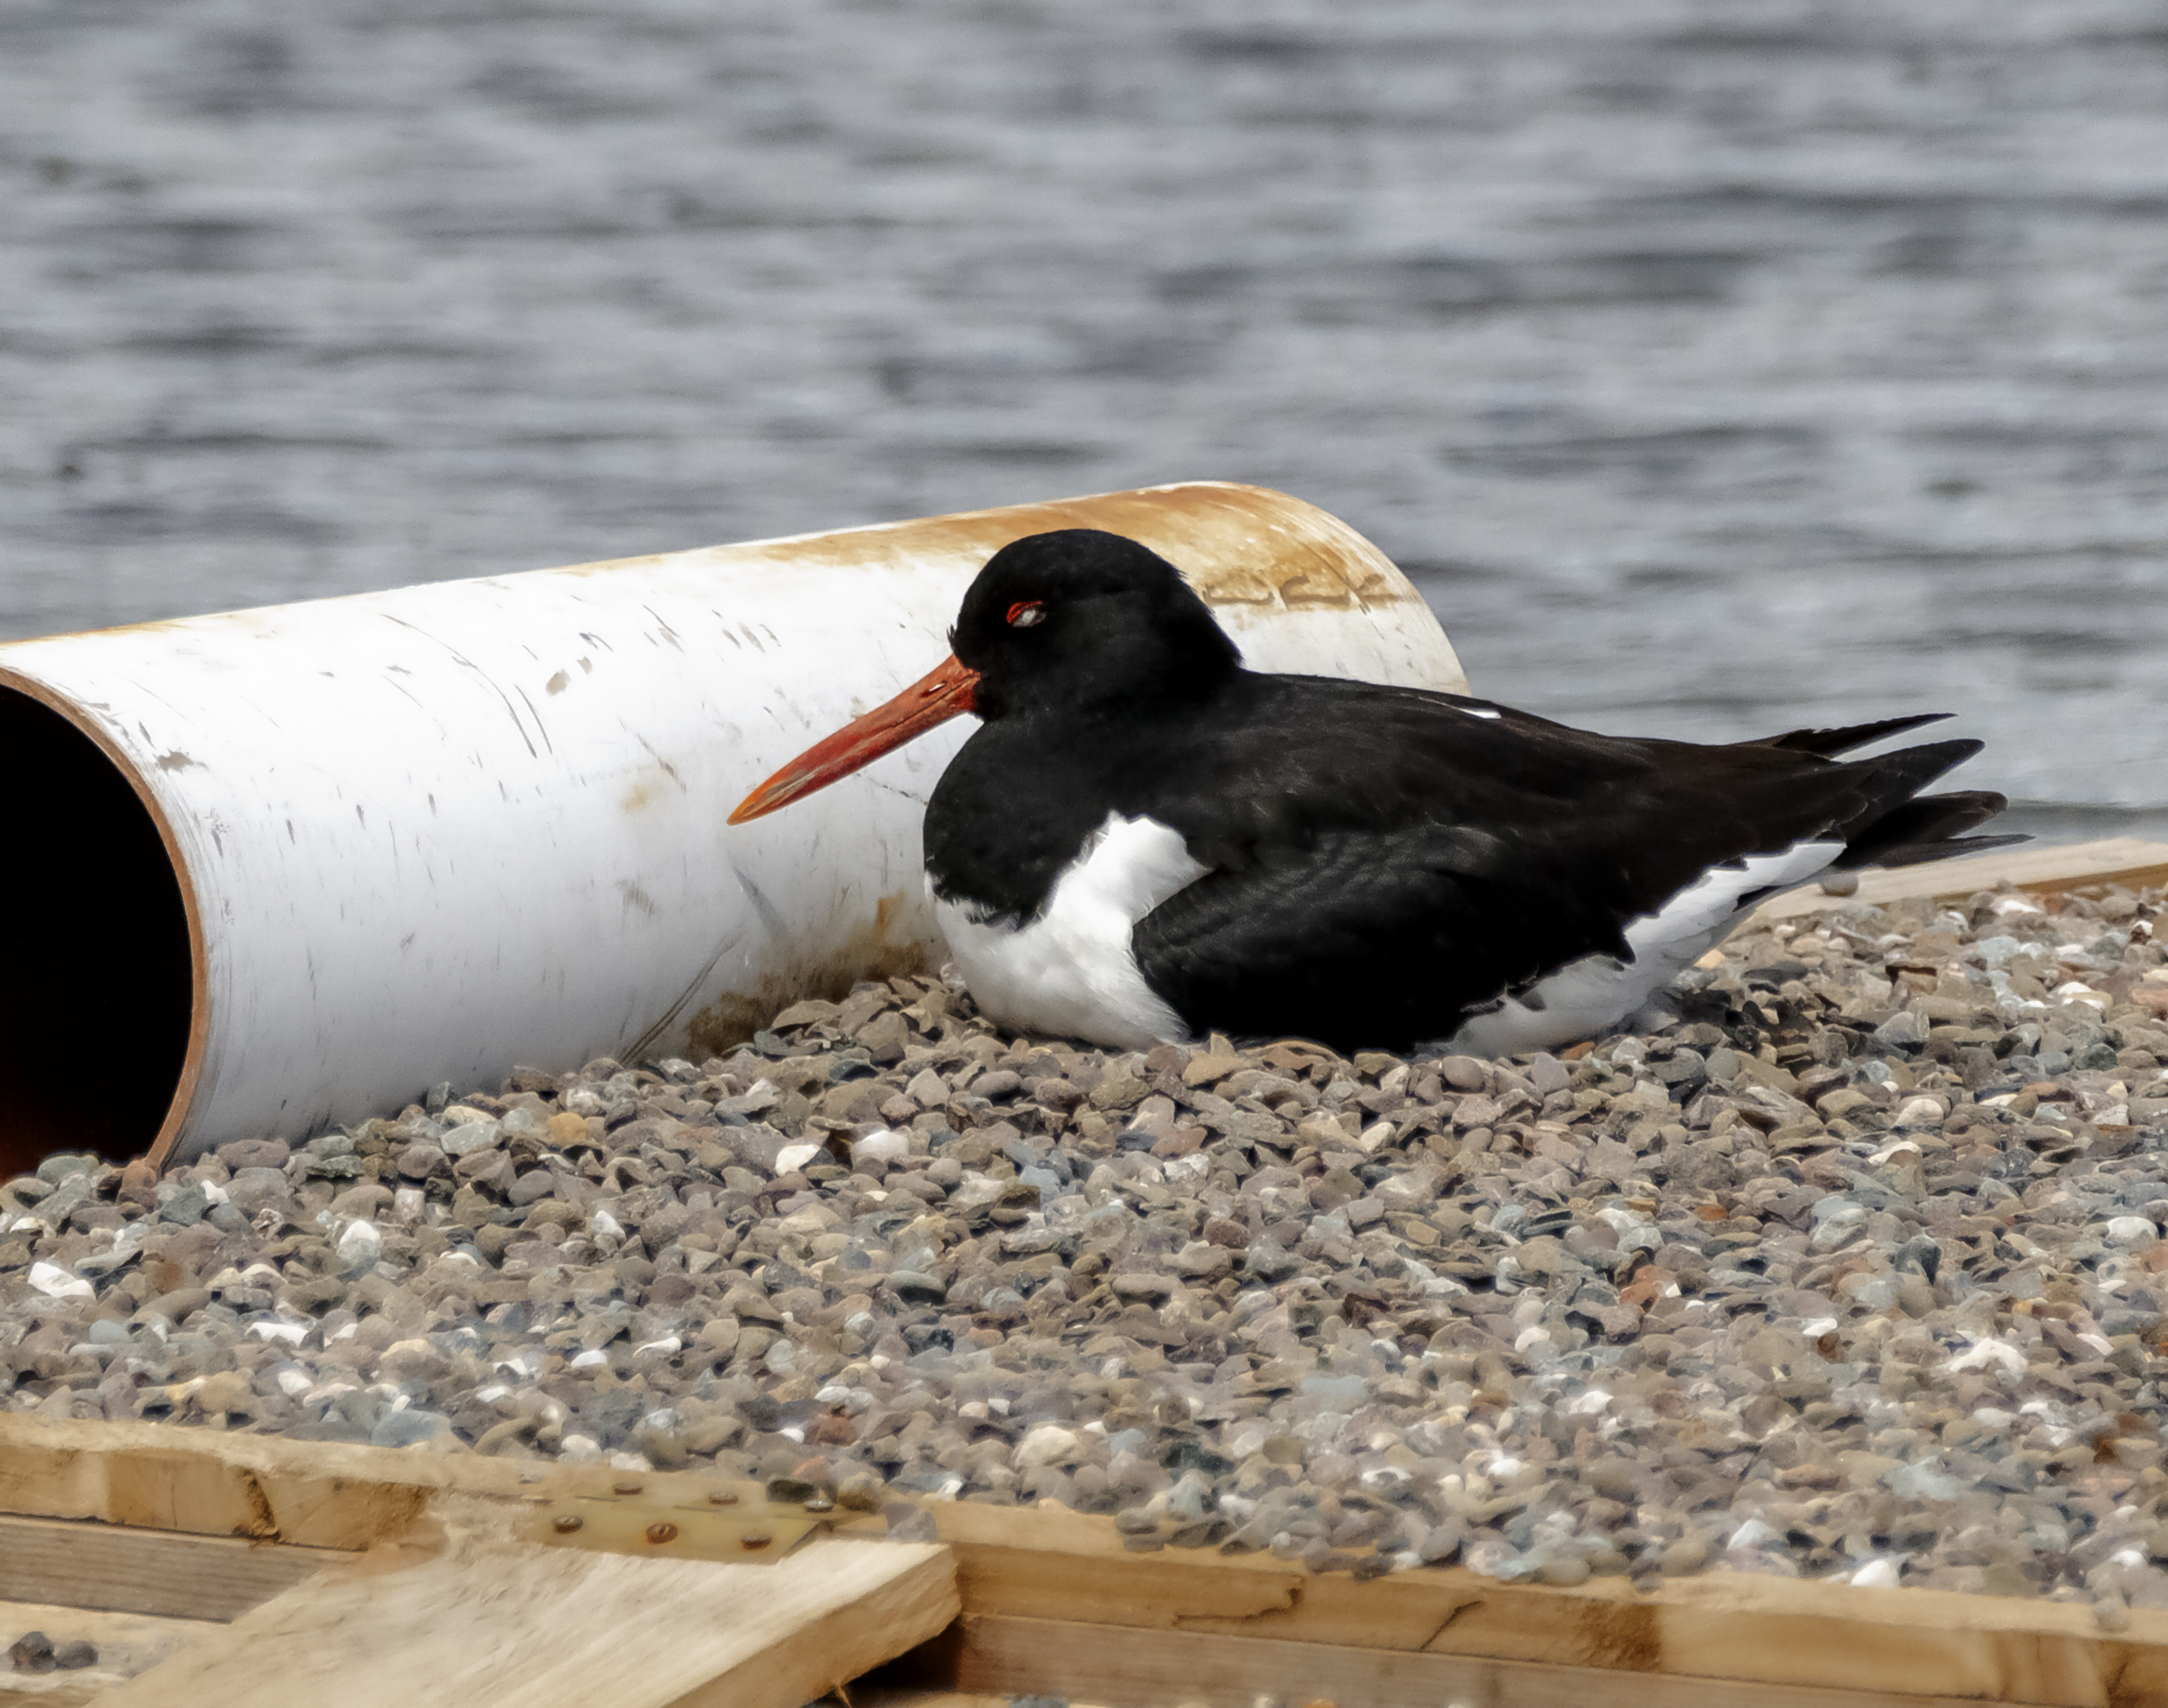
239 1571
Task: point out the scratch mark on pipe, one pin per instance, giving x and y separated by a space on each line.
656 757
412 695
645 1042
460 658
669 633
540 729
175 761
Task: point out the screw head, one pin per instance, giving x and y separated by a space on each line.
662 1530
565 1523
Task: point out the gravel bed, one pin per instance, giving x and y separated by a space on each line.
1854 1269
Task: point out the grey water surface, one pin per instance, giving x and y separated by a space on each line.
1715 366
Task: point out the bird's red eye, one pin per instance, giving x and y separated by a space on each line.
1025 613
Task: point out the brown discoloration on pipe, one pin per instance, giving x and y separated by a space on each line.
1237 545
878 950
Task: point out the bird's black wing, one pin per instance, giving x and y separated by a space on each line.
1463 849
1361 936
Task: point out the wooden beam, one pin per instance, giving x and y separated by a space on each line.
544 1628
1064 1568
153 1571
2120 859
318 1494
208 1483
1002 1657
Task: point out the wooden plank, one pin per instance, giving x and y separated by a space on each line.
208 1483
2120 859
1066 1567
544 1628
153 1572
1003 1657
319 1495
128 1643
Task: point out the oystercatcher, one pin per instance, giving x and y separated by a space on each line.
1144 839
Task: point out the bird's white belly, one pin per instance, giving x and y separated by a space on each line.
1071 971
1589 996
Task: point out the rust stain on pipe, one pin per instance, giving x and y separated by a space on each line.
1210 530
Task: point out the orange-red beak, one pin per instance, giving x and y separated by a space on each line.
934 698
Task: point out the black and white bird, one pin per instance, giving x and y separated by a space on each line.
1144 839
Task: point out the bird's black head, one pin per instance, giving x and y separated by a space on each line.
1079 617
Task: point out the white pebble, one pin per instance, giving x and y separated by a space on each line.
792 1158
1046 1444
887 1146
1983 1353
359 1246
56 1283
1876 1574
2135 1232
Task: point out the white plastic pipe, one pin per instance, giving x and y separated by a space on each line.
347 848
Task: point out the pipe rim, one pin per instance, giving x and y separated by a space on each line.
192 1061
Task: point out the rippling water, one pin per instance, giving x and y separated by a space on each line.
1715 366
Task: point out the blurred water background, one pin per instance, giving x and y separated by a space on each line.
1714 367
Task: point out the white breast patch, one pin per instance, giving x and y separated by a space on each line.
1590 996
1072 971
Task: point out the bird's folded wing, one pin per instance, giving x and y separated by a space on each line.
1385 935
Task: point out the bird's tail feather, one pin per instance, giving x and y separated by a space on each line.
1843 740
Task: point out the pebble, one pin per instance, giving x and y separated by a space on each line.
1852 1271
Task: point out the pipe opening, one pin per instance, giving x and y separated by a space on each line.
96 983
